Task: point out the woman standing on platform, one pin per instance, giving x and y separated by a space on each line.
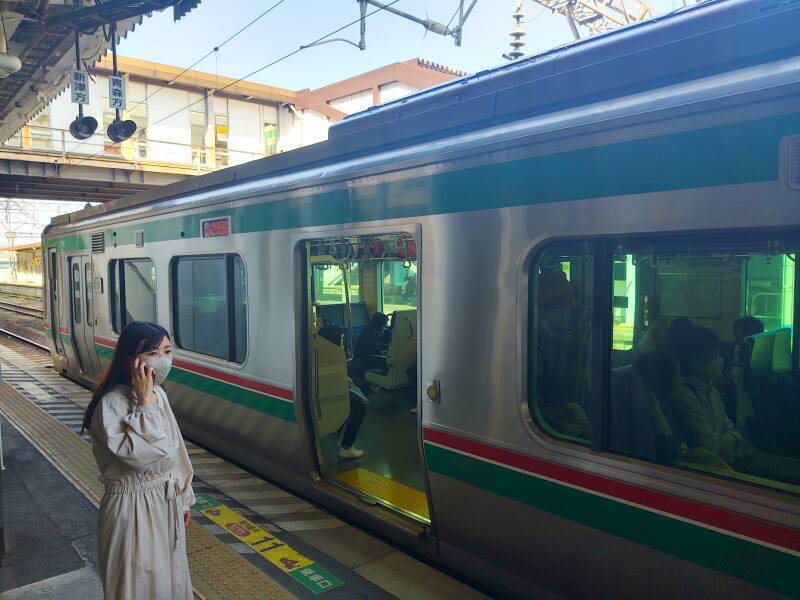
141 528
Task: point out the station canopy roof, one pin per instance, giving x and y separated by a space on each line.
41 33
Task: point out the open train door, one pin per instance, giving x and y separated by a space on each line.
362 397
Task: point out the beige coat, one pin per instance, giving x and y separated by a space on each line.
144 465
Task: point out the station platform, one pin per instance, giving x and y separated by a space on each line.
51 492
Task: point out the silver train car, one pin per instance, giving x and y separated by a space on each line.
559 244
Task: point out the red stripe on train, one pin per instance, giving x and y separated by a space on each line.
234 379
64 330
104 342
704 514
250 384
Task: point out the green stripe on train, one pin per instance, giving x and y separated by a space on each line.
746 560
213 387
737 153
274 407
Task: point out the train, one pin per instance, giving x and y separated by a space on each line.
539 236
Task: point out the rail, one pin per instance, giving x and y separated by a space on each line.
139 149
25 340
22 310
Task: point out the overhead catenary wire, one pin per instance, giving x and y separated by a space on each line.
234 82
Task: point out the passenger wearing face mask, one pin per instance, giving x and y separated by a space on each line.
141 526
698 405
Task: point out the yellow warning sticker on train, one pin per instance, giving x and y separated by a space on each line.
280 554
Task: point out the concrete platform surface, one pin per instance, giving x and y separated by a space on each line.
49 528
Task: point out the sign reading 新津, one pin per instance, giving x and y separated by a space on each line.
79 86
302 569
116 92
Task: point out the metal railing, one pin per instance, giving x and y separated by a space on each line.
138 150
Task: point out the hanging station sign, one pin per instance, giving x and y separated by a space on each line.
79 86
116 92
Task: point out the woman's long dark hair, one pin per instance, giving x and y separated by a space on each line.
136 338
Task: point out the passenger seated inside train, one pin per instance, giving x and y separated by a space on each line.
370 349
735 363
643 421
698 404
400 355
560 341
358 402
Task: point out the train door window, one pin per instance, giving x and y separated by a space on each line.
704 379
133 291
362 370
210 305
87 280
560 331
77 309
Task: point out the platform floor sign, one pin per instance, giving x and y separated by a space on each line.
288 560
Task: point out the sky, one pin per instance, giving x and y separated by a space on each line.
293 23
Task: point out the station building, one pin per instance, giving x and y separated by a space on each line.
179 123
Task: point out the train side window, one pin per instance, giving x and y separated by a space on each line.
328 283
702 375
560 327
210 305
398 285
133 291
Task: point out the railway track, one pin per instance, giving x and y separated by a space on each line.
24 340
22 310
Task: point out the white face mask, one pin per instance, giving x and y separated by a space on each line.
161 365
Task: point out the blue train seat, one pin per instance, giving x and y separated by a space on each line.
336 314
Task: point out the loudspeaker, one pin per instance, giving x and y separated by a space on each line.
83 127
119 131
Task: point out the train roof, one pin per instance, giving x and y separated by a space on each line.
698 41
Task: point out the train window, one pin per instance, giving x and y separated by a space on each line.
702 371
559 339
133 291
329 283
76 292
210 295
398 285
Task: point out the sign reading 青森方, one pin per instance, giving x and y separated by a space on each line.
79 86
116 92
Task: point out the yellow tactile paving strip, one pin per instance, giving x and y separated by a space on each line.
217 571
383 488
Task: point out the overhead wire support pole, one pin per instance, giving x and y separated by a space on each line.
460 22
466 15
362 44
